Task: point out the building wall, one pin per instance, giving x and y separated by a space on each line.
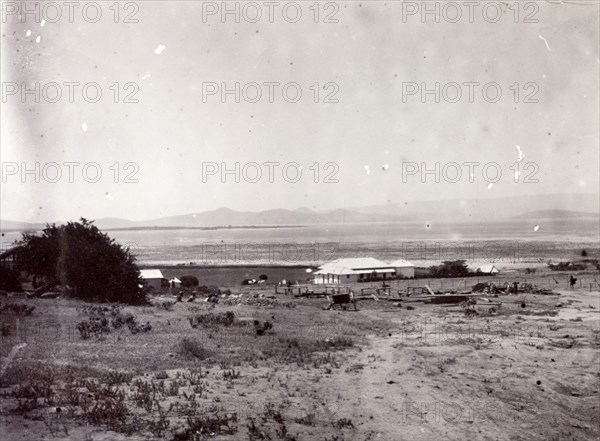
152 283
323 279
384 276
406 271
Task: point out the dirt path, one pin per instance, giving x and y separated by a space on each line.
416 387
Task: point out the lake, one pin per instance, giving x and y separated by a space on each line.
417 241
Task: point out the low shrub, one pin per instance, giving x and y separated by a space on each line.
343 422
207 424
93 328
262 328
192 348
116 377
224 319
167 306
18 309
567 266
102 318
308 420
211 290
337 342
112 412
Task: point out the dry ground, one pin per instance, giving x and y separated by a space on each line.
527 370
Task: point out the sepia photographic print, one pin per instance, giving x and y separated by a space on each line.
304 220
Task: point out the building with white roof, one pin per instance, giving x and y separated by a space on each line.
404 268
152 278
357 268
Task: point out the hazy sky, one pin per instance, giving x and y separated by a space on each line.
372 133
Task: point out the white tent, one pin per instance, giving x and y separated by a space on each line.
488 269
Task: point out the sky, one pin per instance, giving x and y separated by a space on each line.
365 141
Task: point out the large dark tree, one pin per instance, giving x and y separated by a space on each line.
450 268
9 280
78 254
189 281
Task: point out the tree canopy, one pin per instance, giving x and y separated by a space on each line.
189 281
450 268
80 255
9 279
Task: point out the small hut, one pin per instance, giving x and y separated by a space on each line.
151 278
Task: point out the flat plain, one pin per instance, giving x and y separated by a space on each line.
255 365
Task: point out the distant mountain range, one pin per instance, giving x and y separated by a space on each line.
554 206
490 208
557 214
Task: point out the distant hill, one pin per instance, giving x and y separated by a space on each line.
228 217
555 206
487 209
557 214
6 225
103 224
108 223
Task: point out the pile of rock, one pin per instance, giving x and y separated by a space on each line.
258 300
509 288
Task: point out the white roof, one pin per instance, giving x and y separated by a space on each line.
175 279
357 263
151 274
335 269
401 263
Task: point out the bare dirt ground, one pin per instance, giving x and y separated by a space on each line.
525 370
